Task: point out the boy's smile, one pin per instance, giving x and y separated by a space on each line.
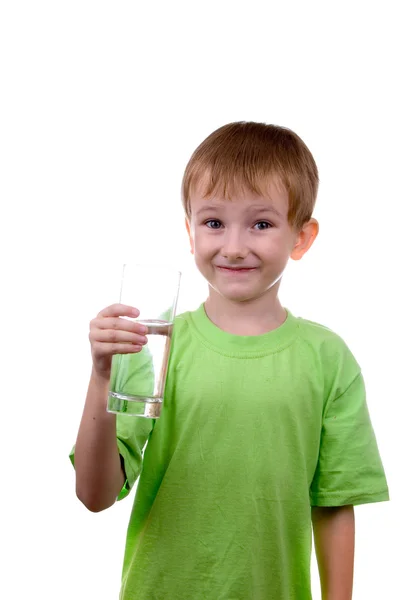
241 246
235 270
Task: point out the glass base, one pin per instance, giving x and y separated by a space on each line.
137 406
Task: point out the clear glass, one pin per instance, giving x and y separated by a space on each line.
137 380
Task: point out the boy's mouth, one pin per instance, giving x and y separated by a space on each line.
235 269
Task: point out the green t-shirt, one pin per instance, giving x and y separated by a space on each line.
253 432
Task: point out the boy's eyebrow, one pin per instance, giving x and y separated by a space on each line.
260 208
206 208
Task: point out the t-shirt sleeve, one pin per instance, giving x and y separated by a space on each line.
349 469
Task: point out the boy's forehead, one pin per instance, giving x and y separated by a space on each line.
273 194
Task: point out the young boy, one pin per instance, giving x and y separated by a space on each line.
264 433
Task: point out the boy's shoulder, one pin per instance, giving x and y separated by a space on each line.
328 348
318 331
313 332
181 321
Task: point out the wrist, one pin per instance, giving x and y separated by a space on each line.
100 379
97 396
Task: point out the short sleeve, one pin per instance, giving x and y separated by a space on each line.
349 469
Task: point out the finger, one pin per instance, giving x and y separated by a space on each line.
119 310
118 324
115 336
101 349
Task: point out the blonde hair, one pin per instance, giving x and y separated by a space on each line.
247 155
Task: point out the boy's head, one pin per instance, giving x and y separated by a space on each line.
249 191
246 156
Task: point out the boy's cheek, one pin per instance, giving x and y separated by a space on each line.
199 248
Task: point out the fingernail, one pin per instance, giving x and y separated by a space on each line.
142 329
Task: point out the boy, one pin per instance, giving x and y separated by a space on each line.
264 433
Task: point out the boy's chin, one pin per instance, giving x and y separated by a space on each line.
236 296
242 294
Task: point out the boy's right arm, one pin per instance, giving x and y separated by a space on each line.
99 473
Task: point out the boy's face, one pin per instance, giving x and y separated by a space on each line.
242 246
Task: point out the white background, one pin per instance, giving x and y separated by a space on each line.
102 104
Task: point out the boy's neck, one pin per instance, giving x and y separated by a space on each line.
241 318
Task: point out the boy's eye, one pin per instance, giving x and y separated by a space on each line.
213 224
261 225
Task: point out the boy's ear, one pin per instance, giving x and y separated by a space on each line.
305 239
190 235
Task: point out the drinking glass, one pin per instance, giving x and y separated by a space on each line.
137 380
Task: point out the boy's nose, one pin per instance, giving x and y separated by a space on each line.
234 246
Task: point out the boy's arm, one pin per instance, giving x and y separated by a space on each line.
99 473
334 538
